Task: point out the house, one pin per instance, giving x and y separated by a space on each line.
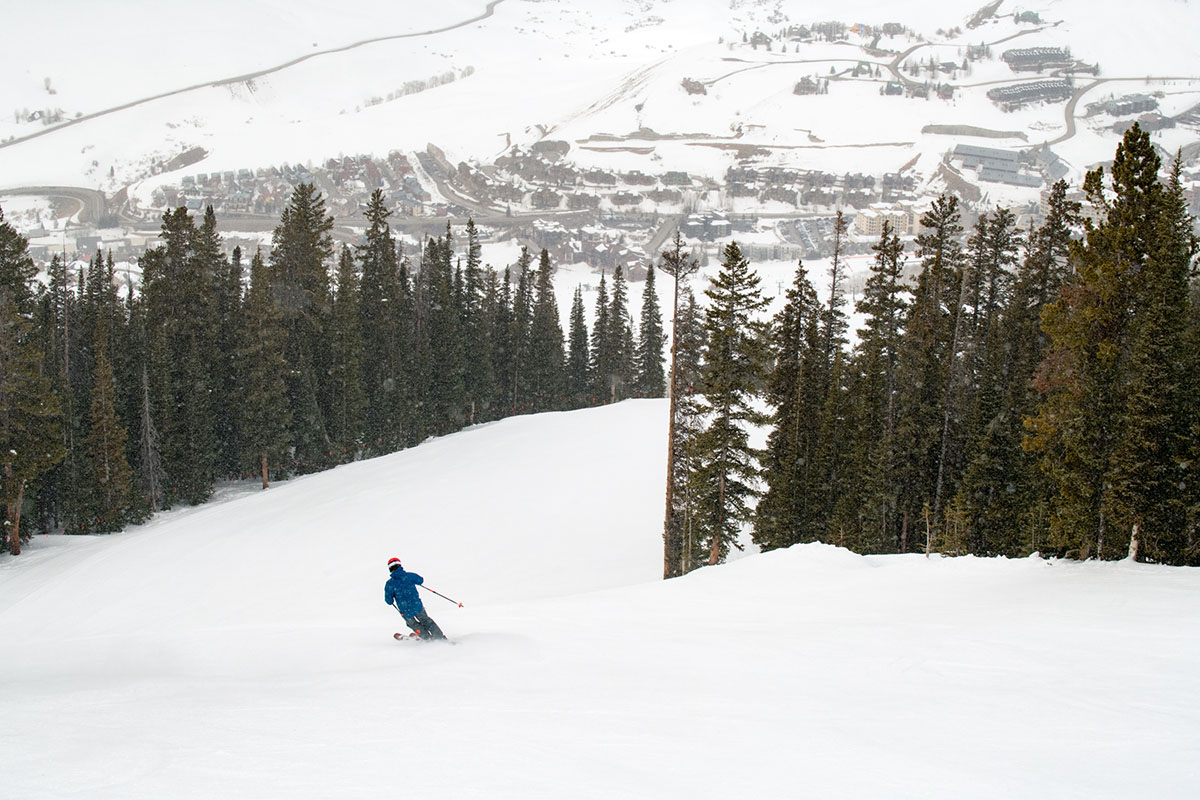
1020 94
807 86
1129 104
1147 122
1036 59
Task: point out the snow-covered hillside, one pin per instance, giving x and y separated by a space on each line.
242 649
261 83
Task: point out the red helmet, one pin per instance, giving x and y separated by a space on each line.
393 564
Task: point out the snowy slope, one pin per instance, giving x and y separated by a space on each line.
242 649
525 69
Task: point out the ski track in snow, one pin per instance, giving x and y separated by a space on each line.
242 649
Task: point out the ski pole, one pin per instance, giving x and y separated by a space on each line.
439 594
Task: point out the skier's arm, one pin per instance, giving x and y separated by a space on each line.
415 578
389 596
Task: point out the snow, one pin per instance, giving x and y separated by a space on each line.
566 70
241 649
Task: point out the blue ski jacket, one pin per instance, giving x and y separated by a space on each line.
401 591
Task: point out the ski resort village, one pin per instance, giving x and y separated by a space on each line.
650 399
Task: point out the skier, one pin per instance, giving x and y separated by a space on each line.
401 591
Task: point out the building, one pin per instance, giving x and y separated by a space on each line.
1035 59
1130 104
1016 95
995 166
904 218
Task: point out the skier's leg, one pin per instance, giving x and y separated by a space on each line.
428 628
414 625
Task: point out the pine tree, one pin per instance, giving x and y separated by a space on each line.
650 380
545 372
869 505
686 548
501 313
440 341
578 355
265 411
829 458
518 332
381 325
1144 494
347 419
301 249
734 366
480 380
181 336
620 338
602 356
686 352
225 277
1096 368
927 366
111 477
1001 504
30 436
792 508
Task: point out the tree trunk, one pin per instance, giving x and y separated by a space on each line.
714 553
1133 542
262 465
14 519
928 533
672 549
904 533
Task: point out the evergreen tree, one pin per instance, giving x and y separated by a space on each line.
518 333
445 400
479 379
650 380
1001 505
578 355
226 278
792 508
545 372
688 347
380 324
620 338
347 419
1144 494
265 411
927 364
874 446
111 485
181 337
602 356
734 365
678 552
829 458
301 248
501 313
30 436
1098 369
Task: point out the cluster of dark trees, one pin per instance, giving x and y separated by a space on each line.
112 408
1031 392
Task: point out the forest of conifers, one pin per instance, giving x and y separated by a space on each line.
1029 391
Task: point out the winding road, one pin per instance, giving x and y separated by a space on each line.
249 76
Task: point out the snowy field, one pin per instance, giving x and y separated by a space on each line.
165 78
242 649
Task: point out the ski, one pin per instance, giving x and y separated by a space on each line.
412 637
